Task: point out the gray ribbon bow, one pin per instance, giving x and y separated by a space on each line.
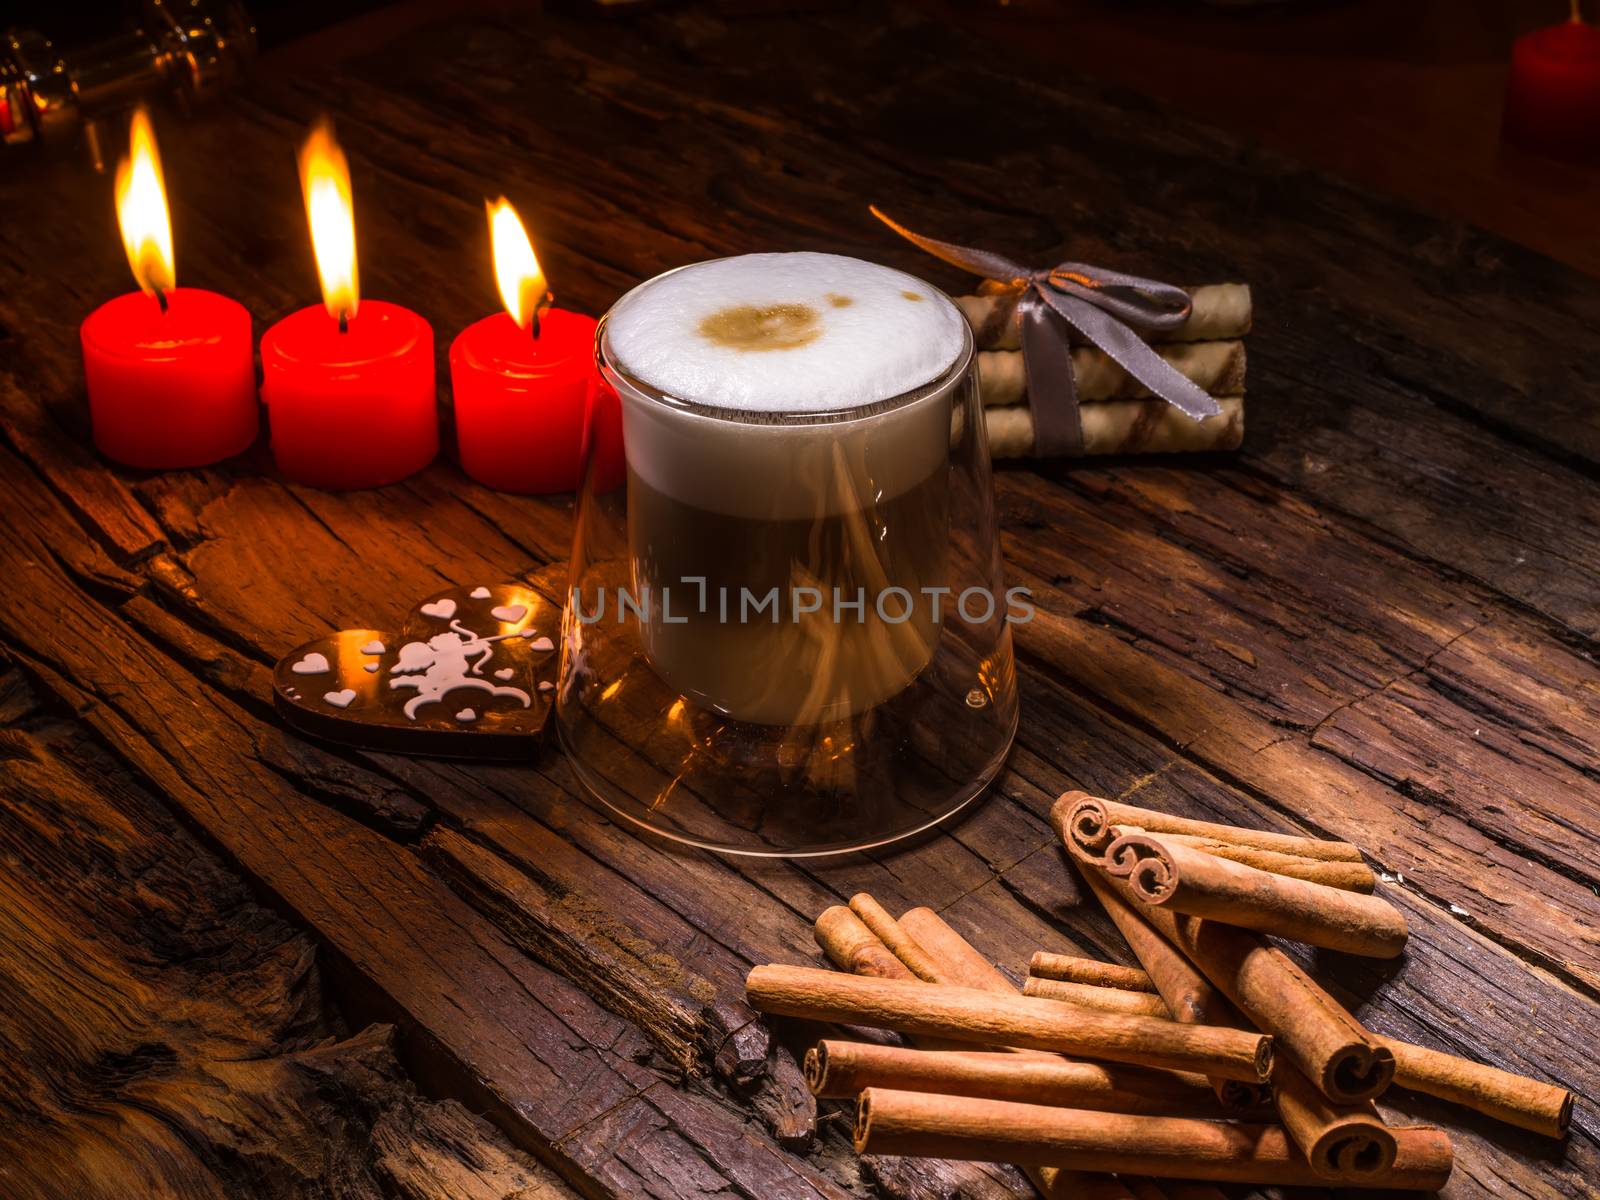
1106 307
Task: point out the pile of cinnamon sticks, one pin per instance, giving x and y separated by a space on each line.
1117 414
1219 1060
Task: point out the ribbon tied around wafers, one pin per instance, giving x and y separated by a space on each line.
1105 307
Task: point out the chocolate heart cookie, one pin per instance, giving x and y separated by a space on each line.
471 674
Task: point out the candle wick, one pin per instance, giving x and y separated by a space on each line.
344 320
1577 12
538 311
161 299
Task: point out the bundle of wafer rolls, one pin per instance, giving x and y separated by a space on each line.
1118 415
1216 1060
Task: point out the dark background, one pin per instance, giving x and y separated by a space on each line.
1404 97
79 21
1433 31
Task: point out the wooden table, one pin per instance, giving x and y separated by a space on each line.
1376 622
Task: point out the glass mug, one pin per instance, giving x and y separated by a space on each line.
786 630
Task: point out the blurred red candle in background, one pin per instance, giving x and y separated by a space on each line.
349 386
602 439
522 378
1553 95
169 371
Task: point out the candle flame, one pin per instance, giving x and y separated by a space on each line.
142 209
325 180
516 269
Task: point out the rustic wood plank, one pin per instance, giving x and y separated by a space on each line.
555 1066
1547 914
506 823
905 1179
911 885
415 1151
1215 587
162 1030
317 773
103 501
558 927
397 114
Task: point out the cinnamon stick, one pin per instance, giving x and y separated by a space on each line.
964 966
958 963
966 1014
898 942
1515 1099
898 1122
1188 880
1345 1062
958 959
1188 994
842 1070
1313 1030
1115 1000
852 947
1089 822
961 964
1340 1141
1349 876
1046 965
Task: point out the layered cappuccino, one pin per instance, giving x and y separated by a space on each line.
787 424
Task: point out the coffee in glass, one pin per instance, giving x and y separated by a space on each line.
764 545
772 610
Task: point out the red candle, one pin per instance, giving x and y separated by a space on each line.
1553 95
169 372
351 406
520 400
602 439
522 378
349 387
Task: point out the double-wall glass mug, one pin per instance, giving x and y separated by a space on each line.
786 629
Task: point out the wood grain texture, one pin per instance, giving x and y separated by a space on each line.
1374 623
165 1035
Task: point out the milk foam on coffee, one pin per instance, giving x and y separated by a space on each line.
786 333
756 342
